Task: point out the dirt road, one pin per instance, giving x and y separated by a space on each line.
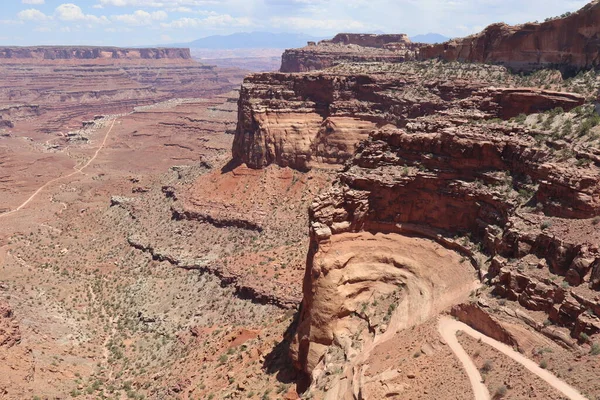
77 171
448 328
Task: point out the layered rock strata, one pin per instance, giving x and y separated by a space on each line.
430 163
569 43
77 89
348 47
90 53
441 183
317 119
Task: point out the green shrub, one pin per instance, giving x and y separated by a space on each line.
545 225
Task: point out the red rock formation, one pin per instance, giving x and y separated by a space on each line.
69 91
570 43
349 47
422 163
443 181
90 53
369 40
317 119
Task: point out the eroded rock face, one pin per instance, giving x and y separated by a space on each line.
432 190
351 271
370 40
317 119
67 91
350 47
89 53
569 43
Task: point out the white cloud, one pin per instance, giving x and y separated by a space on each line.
70 12
33 2
212 22
306 24
141 18
32 15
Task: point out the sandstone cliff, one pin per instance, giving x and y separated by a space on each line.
67 91
569 43
317 119
446 181
90 53
440 183
347 47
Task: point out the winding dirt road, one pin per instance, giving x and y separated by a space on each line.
448 328
77 171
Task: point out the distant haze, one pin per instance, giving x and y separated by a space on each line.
251 40
430 38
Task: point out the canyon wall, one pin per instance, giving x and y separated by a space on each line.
92 53
370 40
428 155
349 47
439 184
66 92
317 119
569 43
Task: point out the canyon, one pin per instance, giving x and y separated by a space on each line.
497 169
177 230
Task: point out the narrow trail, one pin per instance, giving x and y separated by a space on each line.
448 328
77 171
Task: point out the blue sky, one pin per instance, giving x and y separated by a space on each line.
146 22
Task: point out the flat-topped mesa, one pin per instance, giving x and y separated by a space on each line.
569 44
350 47
92 53
370 40
317 119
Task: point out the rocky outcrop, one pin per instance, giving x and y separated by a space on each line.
435 183
91 53
9 328
317 119
569 43
445 180
220 217
419 163
370 40
243 288
478 319
349 47
449 180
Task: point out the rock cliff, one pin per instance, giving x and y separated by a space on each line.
441 183
67 91
347 47
317 119
91 53
452 173
570 43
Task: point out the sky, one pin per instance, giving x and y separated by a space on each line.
154 22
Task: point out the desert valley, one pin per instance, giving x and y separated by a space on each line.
379 219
